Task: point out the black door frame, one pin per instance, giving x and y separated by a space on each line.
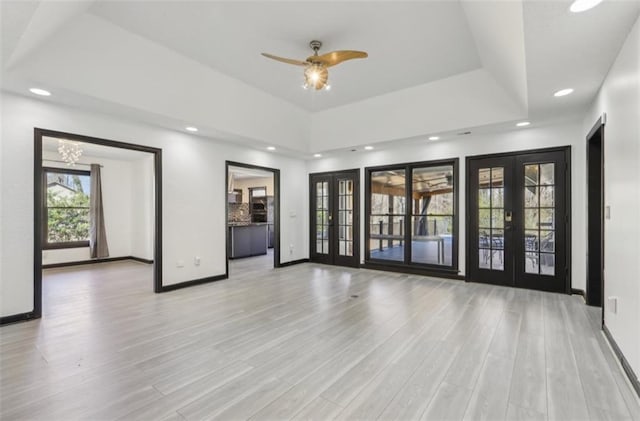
568 252
595 215
331 175
38 217
276 209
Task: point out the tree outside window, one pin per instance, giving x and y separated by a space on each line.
66 208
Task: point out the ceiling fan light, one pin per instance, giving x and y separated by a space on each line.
316 76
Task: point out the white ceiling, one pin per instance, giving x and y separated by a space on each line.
435 67
568 50
409 43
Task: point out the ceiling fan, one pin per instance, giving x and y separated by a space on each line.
316 74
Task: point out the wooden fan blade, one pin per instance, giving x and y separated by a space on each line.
286 60
337 57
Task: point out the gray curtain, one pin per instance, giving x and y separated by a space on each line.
97 233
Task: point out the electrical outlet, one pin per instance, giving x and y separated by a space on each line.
196 260
180 264
290 248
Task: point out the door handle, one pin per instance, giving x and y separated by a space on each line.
508 218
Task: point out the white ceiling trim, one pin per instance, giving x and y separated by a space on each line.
498 31
468 100
47 19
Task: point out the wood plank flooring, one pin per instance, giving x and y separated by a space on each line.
305 342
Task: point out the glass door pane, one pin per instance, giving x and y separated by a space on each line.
539 219
322 217
491 216
345 217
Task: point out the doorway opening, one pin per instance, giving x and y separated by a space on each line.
252 197
95 201
519 219
595 215
335 218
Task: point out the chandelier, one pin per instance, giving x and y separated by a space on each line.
70 152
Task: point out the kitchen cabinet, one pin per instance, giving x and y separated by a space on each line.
247 240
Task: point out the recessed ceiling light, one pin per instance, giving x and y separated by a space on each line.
368 148
563 92
583 5
39 91
434 138
317 155
191 129
523 124
271 148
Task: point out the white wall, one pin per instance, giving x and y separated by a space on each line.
245 183
619 98
193 191
142 208
125 195
517 140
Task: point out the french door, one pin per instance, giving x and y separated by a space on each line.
334 218
518 216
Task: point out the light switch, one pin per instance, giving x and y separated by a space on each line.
612 304
180 263
607 212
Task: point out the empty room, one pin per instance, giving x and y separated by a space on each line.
278 210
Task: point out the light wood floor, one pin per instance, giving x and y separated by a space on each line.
305 342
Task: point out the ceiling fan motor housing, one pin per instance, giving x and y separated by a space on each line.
315 45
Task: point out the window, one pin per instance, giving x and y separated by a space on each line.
412 215
66 211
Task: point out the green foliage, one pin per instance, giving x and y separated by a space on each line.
68 216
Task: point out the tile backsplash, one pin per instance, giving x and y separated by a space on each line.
239 212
